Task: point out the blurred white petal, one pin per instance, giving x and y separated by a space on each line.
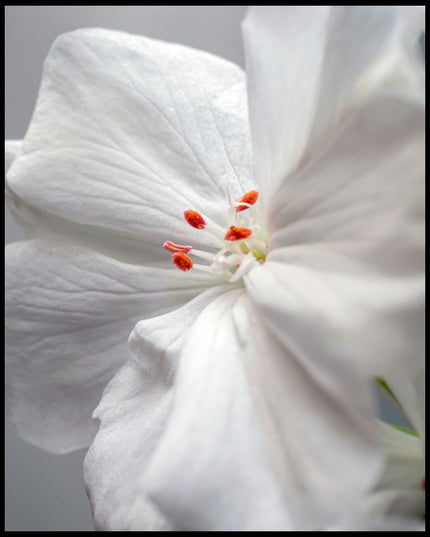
308 67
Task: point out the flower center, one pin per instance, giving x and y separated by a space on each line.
244 244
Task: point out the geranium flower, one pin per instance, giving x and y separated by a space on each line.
244 405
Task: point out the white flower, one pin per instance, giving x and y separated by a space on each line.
243 406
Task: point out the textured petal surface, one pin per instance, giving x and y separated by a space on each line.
346 266
308 67
13 148
69 313
129 132
38 223
133 413
270 445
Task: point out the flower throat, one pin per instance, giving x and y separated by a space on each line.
244 247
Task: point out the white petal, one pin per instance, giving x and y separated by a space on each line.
309 66
349 244
132 415
69 312
210 471
129 132
348 318
39 223
318 417
13 148
162 338
404 466
283 51
292 458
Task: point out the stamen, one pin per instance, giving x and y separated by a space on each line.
207 256
195 219
249 198
236 257
172 247
237 233
246 265
222 264
182 261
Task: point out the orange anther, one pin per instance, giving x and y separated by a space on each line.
182 261
250 197
237 233
172 247
195 219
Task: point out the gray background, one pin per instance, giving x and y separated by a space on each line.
45 492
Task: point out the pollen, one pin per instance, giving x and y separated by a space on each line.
250 197
172 247
195 219
182 261
237 233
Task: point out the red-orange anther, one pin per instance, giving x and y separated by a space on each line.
195 219
182 261
172 247
237 233
250 197
423 484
